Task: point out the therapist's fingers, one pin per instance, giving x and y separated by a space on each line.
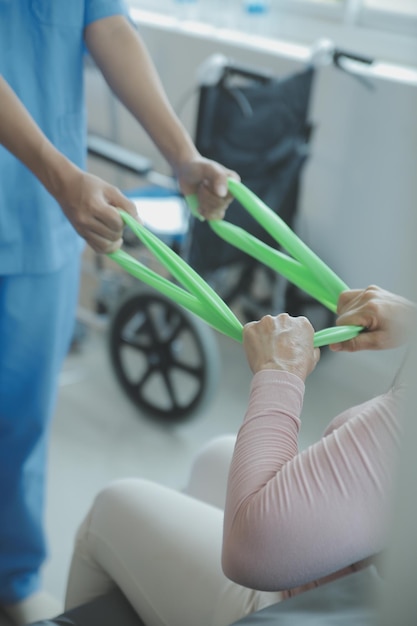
210 205
207 180
117 199
102 245
92 206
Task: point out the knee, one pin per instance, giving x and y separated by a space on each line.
216 452
109 506
118 494
210 469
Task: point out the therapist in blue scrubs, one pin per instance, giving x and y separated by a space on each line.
49 206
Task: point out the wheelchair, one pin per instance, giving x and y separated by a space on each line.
165 359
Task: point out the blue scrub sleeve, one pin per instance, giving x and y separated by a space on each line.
98 9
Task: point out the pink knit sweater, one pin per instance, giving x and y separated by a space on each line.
295 519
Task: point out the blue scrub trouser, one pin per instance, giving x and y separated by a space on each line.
37 315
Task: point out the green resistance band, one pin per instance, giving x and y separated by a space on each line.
304 268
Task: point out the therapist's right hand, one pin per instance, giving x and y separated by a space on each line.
91 205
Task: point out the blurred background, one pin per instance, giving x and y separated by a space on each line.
357 201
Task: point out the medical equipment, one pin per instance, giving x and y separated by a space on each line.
162 353
304 268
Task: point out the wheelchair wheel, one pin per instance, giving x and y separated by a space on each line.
164 357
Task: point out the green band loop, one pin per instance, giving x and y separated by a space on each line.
303 268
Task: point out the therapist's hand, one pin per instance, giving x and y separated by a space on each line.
208 181
91 205
283 343
123 58
387 318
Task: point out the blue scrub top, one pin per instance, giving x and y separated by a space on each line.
41 57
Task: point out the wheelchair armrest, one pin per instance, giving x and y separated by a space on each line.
128 160
117 155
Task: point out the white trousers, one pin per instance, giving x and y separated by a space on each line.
162 548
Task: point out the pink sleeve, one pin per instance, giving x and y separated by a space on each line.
291 518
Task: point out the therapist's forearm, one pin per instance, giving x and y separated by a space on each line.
20 134
129 71
89 203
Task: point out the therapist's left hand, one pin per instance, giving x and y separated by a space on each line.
207 180
91 205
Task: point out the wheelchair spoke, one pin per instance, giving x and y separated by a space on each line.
158 351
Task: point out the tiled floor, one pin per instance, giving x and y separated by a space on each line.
98 435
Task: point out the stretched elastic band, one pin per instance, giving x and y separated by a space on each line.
304 268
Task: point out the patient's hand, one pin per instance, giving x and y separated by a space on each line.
282 343
387 318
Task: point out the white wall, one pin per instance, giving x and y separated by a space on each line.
359 188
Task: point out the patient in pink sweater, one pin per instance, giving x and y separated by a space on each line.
259 520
